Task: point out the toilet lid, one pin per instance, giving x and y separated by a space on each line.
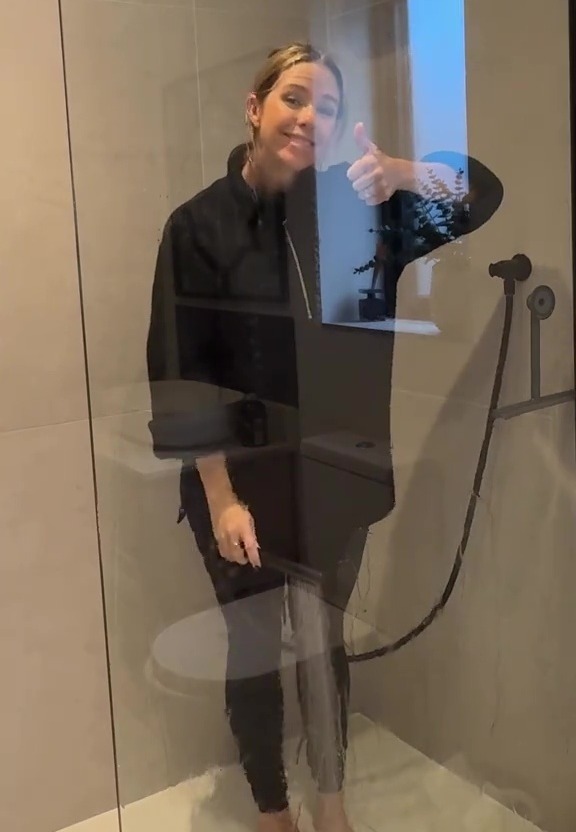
196 648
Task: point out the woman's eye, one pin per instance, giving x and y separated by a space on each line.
292 100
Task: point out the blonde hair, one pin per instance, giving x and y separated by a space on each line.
284 58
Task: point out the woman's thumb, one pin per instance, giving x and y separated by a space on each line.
362 140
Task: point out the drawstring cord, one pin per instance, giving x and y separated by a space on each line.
299 270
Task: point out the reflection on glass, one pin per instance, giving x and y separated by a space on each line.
321 310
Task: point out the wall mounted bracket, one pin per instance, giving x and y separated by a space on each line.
541 303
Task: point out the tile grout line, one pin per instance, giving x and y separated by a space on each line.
198 93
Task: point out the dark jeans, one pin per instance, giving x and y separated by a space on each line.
254 697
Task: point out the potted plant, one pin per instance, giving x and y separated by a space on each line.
450 289
373 306
434 221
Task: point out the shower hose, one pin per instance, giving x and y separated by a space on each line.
509 288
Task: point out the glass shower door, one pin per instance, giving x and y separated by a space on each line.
470 723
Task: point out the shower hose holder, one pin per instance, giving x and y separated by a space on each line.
541 303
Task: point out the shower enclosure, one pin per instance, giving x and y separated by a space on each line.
472 724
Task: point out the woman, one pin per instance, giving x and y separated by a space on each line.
268 211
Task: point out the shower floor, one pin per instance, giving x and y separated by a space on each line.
390 786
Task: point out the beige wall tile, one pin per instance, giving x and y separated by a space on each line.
41 362
101 823
343 7
56 715
369 46
274 8
349 39
136 148
168 3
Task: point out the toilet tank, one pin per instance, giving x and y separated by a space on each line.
347 483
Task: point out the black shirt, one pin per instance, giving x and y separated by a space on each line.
236 302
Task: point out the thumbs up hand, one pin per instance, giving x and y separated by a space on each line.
375 176
362 139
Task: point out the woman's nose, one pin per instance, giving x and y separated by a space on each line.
307 115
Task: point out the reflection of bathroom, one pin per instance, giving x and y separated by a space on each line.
470 726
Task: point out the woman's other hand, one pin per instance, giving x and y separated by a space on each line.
232 523
236 536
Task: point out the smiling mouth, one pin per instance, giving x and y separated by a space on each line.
301 140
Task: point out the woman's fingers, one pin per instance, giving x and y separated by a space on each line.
373 188
251 549
238 554
362 175
237 542
230 549
248 540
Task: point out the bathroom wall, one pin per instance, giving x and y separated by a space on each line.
57 765
489 688
156 104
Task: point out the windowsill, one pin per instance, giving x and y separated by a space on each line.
398 325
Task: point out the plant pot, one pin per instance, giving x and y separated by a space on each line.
373 306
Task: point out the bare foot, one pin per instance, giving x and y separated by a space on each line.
331 814
276 822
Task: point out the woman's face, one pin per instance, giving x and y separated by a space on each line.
298 119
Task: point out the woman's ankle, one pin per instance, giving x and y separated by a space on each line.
330 814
